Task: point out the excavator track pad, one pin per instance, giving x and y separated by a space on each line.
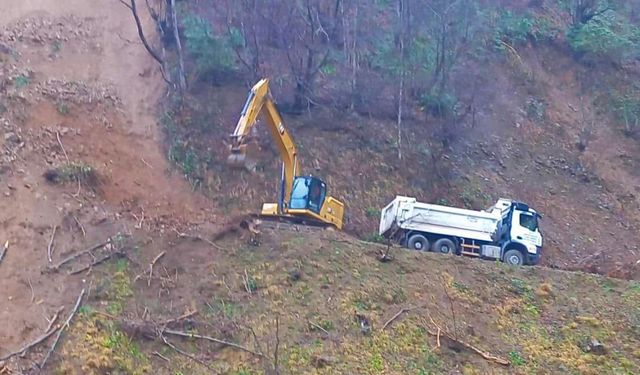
293 223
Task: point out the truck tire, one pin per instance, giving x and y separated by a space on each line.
418 242
514 257
444 246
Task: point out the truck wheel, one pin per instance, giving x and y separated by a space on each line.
514 257
418 242
444 246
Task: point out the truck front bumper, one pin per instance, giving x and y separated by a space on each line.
534 259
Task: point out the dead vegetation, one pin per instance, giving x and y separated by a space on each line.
82 174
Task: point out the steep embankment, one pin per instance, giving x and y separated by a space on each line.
77 97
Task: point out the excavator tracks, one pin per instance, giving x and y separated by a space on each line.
294 224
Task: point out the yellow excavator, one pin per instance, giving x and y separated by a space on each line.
302 198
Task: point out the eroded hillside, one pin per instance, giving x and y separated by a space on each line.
100 230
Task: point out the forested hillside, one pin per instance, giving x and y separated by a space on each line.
453 102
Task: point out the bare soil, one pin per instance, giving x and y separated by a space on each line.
77 89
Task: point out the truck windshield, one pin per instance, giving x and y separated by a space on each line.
529 221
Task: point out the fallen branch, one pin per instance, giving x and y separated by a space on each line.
396 316
184 235
245 278
319 327
62 147
4 250
53 320
181 317
31 345
161 356
276 369
191 356
466 345
65 325
212 339
84 234
77 255
33 295
94 263
50 247
155 260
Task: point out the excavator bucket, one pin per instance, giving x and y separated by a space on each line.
237 160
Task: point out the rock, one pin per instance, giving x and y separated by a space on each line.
597 347
593 346
11 137
321 361
295 274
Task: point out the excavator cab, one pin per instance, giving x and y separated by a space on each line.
308 193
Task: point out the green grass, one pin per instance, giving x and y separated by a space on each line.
21 81
372 212
516 359
62 108
120 288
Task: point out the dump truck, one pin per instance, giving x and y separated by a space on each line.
507 231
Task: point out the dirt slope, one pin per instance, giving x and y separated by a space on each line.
76 72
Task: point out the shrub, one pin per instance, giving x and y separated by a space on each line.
605 36
439 105
513 28
626 107
213 55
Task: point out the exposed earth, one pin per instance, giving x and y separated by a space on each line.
83 164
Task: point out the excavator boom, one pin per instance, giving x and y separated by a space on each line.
260 100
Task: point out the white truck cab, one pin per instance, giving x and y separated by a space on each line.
520 223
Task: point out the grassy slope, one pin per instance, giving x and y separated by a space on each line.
541 320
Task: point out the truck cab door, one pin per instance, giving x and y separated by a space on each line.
524 229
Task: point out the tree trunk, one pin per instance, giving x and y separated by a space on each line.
354 56
401 89
182 81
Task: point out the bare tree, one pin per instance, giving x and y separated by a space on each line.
315 55
401 42
182 81
583 11
156 56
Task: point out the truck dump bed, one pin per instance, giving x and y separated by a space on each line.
407 214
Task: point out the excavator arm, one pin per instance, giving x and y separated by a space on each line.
260 100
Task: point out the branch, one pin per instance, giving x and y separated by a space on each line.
95 263
275 351
125 4
393 318
62 147
466 345
3 252
65 325
212 339
191 356
50 247
35 342
181 317
77 255
153 53
155 260
318 327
